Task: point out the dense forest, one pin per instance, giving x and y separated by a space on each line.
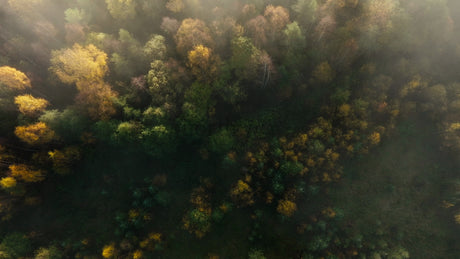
313 129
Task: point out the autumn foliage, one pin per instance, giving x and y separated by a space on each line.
14 79
29 105
78 64
25 173
35 134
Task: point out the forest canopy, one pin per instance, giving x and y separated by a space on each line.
229 129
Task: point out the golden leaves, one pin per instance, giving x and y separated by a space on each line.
286 207
29 105
108 251
33 134
203 63
26 174
79 64
14 79
7 182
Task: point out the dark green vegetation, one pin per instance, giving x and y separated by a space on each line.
229 129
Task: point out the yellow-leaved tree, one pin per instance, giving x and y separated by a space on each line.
35 134
192 32
108 251
203 63
98 99
13 78
79 64
86 67
29 105
25 173
286 207
7 182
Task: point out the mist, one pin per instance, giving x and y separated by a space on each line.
229 129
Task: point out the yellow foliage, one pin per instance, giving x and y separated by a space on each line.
79 64
108 251
344 110
155 237
283 140
446 204
98 98
363 125
26 173
374 138
286 207
243 193
29 105
37 133
137 254
121 9
278 17
269 198
311 162
133 214
301 140
8 182
14 79
203 63
191 33
457 218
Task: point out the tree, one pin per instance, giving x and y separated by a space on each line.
15 245
158 80
29 105
155 48
158 140
122 9
69 123
245 58
63 160
51 252
169 25
75 15
8 182
203 64
323 73
277 17
175 6
79 64
98 98
257 28
35 134
286 207
108 251
25 173
192 32
242 194
13 79
305 12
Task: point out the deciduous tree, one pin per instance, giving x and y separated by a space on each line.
35 134
203 63
79 64
192 32
25 173
29 105
13 79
